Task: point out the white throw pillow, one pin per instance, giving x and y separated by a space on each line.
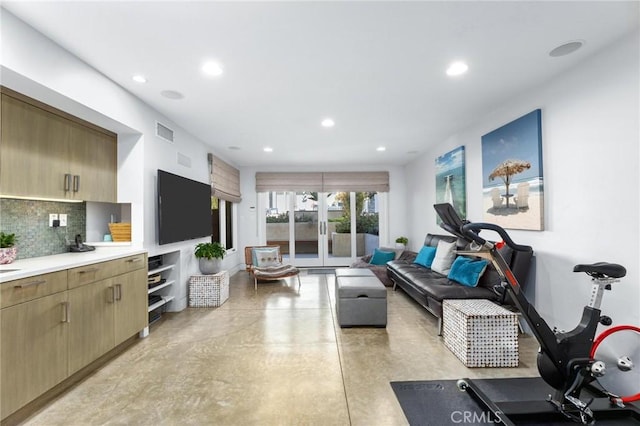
445 255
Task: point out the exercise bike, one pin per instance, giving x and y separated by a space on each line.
574 363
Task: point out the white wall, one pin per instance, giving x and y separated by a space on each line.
32 64
590 124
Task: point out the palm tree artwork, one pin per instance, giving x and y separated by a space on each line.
506 170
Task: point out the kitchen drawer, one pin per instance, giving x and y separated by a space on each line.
131 263
92 273
25 289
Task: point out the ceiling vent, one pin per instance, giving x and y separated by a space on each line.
164 132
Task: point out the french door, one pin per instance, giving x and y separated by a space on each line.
321 229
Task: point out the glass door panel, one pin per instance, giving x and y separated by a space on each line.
322 229
277 226
367 223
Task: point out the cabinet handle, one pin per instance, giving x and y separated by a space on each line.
111 293
118 291
76 183
137 259
67 182
30 284
86 271
66 315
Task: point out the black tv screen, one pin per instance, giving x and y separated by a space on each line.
184 208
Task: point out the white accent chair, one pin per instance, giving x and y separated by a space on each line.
496 198
522 195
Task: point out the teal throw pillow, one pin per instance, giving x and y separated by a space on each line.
467 271
381 257
425 256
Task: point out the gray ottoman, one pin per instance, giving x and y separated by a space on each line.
361 301
354 272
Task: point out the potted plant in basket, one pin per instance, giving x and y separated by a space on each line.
8 252
210 257
401 242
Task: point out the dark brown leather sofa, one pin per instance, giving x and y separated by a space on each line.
430 288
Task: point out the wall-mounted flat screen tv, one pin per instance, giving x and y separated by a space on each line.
184 208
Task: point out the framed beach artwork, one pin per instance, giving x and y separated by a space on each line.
451 182
512 174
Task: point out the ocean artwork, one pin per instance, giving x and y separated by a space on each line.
451 182
512 174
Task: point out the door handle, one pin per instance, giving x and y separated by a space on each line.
66 316
29 284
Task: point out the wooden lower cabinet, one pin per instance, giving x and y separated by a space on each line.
130 308
34 349
91 325
53 325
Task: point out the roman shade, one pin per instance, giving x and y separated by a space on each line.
322 182
225 180
276 181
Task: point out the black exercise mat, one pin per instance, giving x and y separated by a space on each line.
440 403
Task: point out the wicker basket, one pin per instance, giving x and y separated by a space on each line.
120 232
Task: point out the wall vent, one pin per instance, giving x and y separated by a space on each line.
164 132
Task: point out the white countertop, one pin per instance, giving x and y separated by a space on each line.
25 268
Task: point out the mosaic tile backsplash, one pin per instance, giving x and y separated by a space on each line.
29 220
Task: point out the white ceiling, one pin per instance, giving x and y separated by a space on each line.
376 68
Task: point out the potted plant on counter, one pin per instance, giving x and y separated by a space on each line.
210 257
8 252
401 242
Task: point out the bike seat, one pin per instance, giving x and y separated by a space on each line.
602 270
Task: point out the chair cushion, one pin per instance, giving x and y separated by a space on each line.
266 257
275 272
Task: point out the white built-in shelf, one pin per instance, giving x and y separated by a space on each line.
165 300
158 287
160 269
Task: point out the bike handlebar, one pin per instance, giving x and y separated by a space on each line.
471 230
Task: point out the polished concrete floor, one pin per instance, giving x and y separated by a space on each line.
274 356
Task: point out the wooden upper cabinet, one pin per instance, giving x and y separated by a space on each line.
93 164
33 150
47 153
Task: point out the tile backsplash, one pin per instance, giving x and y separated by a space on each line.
29 220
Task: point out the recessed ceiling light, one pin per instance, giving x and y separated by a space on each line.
457 68
381 148
139 78
172 94
267 149
212 68
328 122
566 48
234 148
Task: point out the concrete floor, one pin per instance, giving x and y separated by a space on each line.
274 356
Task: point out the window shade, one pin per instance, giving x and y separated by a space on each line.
225 180
266 182
355 181
322 182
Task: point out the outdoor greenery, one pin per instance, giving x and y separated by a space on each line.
365 224
284 218
7 240
210 251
